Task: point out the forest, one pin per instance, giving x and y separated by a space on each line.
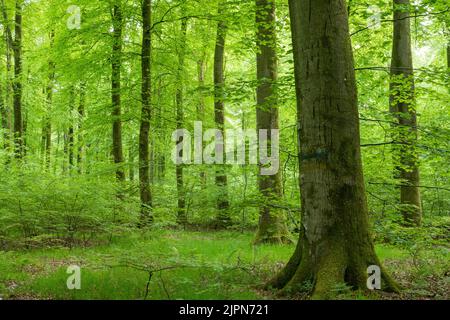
224 150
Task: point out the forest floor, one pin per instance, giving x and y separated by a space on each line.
194 265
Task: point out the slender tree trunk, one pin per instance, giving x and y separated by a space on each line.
334 245
144 169
182 214
71 131
5 117
403 108
272 225
223 216
7 107
17 85
80 135
116 88
201 70
47 127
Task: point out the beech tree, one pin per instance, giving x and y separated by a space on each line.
223 216
272 226
335 245
402 106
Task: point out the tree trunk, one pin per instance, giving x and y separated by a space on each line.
115 90
223 216
17 84
80 135
182 214
47 126
272 225
201 70
334 245
70 135
6 110
144 169
403 108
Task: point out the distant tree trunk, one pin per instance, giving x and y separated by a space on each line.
182 214
334 246
17 84
71 132
223 216
4 113
272 225
80 135
6 109
47 126
116 59
144 169
403 108
201 70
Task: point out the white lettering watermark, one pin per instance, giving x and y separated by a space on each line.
74 280
374 279
230 149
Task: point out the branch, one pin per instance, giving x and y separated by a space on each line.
407 185
403 18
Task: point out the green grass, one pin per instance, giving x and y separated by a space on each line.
213 265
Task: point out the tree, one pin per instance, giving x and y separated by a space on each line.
116 64
6 105
17 84
403 109
272 226
223 216
181 214
144 169
334 243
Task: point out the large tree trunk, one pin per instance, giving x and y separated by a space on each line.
334 245
116 60
17 84
402 107
272 225
144 169
223 216
182 214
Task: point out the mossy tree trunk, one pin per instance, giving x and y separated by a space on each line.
179 100
17 83
144 166
403 108
335 245
223 205
116 63
272 225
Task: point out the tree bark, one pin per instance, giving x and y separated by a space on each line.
334 245
181 214
80 135
223 216
17 84
71 131
116 60
403 108
7 106
201 70
144 168
272 225
47 126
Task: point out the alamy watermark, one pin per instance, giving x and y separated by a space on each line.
212 147
74 280
74 20
374 279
